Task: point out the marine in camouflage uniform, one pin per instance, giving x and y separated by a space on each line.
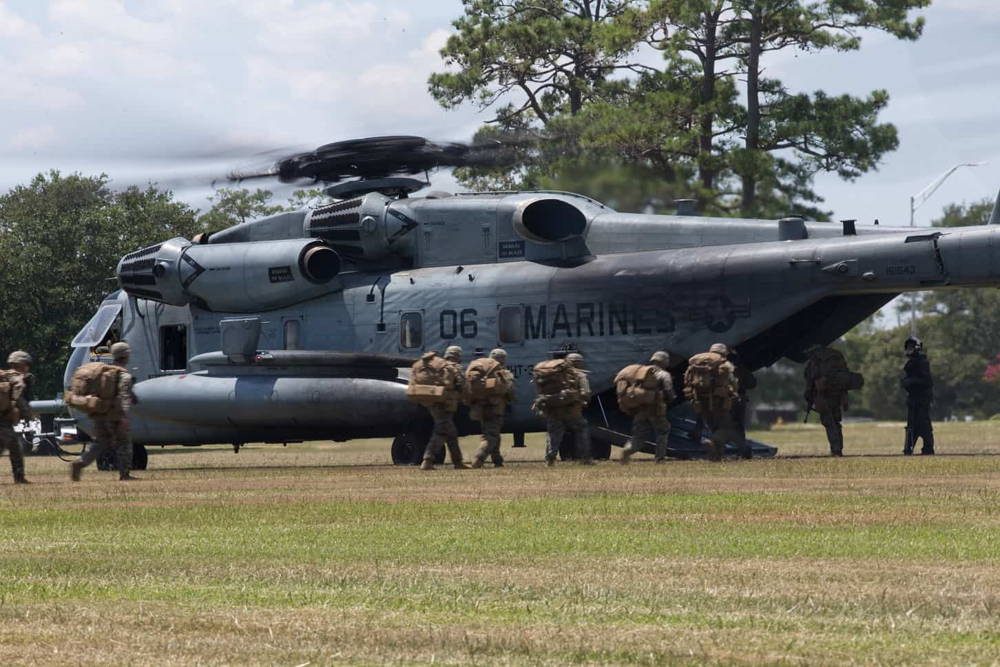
570 418
829 402
490 415
717 413
919 386
445 432
20 367
652 420
110 431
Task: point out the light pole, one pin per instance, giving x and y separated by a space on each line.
916 201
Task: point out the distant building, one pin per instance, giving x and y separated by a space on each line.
769 413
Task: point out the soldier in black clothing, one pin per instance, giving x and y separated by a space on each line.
919 386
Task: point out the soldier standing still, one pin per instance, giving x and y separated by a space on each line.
445 432
560 420
111 429
652 420
16 379
710 384
490 414
919 386
826 392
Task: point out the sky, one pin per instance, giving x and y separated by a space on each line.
181 91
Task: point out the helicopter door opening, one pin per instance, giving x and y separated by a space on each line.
511 325
173 347
292 332
411 331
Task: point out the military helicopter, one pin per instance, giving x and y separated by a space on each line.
302 325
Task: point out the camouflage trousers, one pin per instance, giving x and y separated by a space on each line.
109 434
646 426
491 423
831 412
444 433
557 428
10 441
918 426
725 429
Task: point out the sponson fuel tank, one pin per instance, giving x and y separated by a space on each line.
231 277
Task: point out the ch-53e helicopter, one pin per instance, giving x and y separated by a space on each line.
302 325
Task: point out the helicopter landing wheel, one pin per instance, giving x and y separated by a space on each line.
408 449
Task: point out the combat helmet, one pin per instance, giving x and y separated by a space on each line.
719 348
19 357
453 353
576 359
120 350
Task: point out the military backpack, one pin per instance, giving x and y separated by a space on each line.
556 384
432 381
11 387
637 388
830 372
94 388
709 382
485 380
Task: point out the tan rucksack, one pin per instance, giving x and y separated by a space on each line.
831 374
556 384
11 387
432 381
709 382
637 388
94 388
484 380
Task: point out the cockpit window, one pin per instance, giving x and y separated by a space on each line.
97 328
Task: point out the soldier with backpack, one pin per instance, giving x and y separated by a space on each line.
710 384
14 407
827 382
489 388
563 391
644 392
104 392
436 383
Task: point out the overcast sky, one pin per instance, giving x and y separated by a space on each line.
146 89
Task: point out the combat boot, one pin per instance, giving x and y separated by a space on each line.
461 465
660 460
74 470
427 465
477 463
550 461
587 461
21 479
126 477
626 455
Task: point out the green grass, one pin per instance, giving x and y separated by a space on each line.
315 554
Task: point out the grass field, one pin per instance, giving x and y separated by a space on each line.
324 554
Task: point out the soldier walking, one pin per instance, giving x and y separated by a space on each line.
563 391
437 383
919 386
490 388
14 407
710 384
645 392
827 382
110 424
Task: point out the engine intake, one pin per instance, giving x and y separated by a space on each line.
231 277
549 220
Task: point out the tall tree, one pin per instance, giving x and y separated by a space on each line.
584 76
232 206
60 239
